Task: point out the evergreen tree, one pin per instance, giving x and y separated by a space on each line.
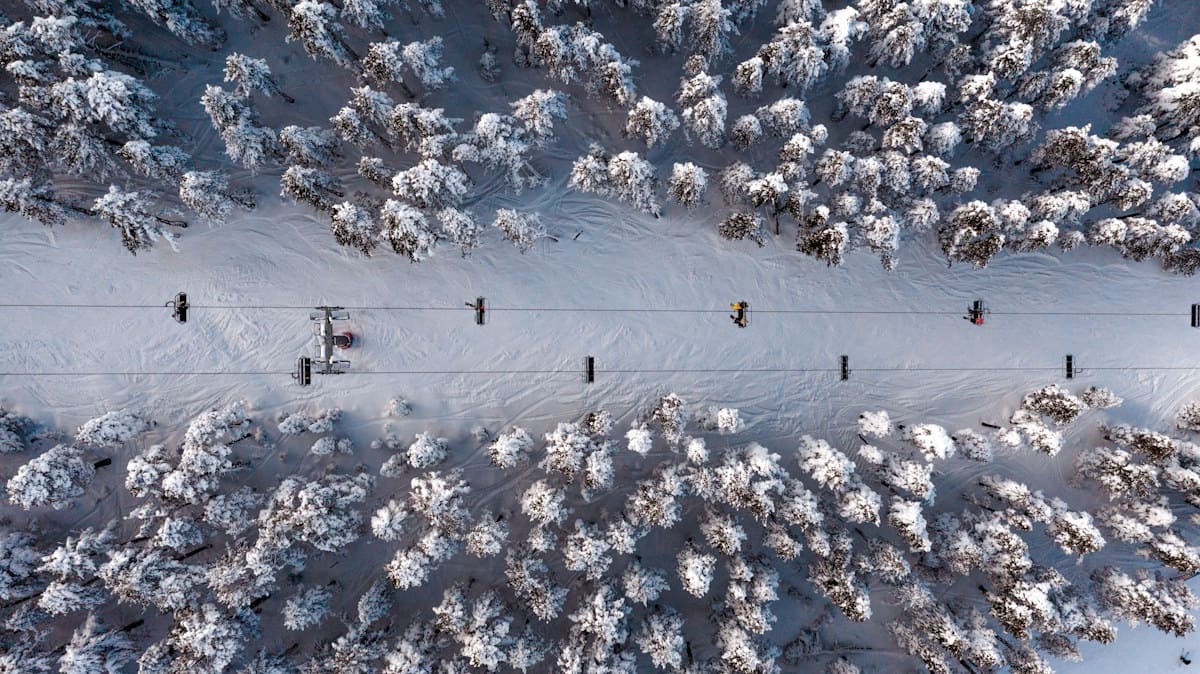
310 186
52 479
537 112
687 184
251 75
130 214
314 24
207 193
309 146
95 649
112 429
651 120
703 109
306 608
353 225
161 162
522 229
431 184
388 61
36 202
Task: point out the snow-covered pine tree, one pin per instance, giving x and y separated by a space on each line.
352 225
522 229
130 214
320 512
511 448
160 162
112 429
1165 604
695 570
306 608
651 121
586 549
633 180
459 228
13 431
743 225
537 112
309 146
426 451
687 184
153 578
643 585
388 61
703 109
207 193
498 142
794 56
245 142
661 637
431 184
315 25
94 648
251 75
407 230
311 186
52 479
36 202
368 14
489 535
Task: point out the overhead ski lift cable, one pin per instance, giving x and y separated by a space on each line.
576 372
629 309
180 306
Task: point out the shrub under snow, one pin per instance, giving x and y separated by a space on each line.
640 440
875 424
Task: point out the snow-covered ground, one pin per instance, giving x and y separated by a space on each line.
281 257
932 367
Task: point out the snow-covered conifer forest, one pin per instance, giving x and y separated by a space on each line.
840 126
679 544
612 175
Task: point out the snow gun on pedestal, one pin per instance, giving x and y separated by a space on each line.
976 312
327 340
